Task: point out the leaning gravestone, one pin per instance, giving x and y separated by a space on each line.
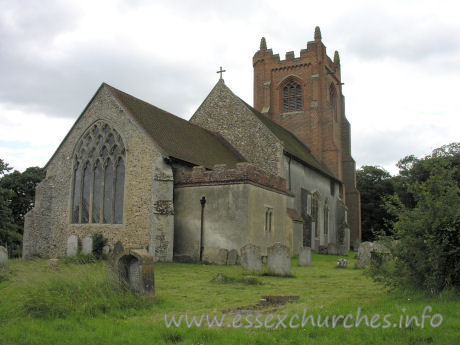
87 245
3 256
232 257
305 256
279 260
251 260
72 245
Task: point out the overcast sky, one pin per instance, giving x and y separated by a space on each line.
400 64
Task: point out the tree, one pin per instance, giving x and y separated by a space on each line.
426 207
9 234
375 184
17 195
23 187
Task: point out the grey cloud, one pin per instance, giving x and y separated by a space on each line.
372 32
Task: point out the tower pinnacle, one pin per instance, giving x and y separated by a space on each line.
317 34
263 44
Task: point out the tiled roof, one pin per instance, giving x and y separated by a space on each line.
177 137
292 145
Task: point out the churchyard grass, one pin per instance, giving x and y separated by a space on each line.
81 304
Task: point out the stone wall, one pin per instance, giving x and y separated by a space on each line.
234 213
148 191
224 113
302 177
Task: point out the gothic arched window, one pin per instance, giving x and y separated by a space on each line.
315 213
292 97
333 100
99 176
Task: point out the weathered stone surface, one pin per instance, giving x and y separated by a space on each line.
342 263
279 260
72 245
3 256
217 256
87 245
251 260
365 252
135 270
332 248
232 257
305 256
47 225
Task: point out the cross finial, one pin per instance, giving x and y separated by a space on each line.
221 71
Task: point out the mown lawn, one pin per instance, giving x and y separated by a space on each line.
81 304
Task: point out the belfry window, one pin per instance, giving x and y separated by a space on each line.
292 97
99 177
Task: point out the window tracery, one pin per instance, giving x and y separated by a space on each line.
99 176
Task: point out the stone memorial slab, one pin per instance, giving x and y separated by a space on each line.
232 257
332 248
3 256
87 245
216 256
279 260
305 256
367 250
135 270
72 245
251 260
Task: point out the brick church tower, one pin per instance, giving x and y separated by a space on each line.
304 95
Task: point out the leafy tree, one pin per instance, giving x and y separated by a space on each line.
23 187
9 231
374 184
427 212
17 195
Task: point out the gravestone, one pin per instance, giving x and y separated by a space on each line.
279 260
366 250
332 248
72 245
232 257
3 256
251 260
345 247
135 271
87 245
217 256
305 256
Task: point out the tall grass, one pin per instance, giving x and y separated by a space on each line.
45 292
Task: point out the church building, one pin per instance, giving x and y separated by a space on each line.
280 171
